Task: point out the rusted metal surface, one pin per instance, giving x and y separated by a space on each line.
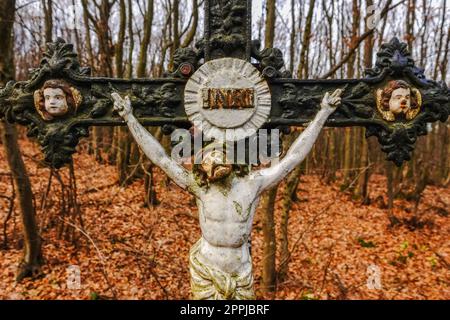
227 98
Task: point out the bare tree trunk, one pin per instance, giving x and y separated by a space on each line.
329 17
425 17
361 191
390 192
121 134
135 158
331 165
303 65
270 23
293 38
47 5
354 37
94 142
76 32
349 133
191 34
445 157
440 71
444 127
165 41
441 41
114 153
288 195
121 39
102 137
410 19
143 52
131 39
88 33
444 64
286 204
104 38
176 31
347 158
270 246
268 199
32 254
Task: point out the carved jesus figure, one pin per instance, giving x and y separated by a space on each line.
220 262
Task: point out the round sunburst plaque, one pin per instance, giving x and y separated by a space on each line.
228 99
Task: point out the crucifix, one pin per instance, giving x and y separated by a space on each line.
232 88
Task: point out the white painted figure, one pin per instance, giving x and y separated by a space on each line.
220 262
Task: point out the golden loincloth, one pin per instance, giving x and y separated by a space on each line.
211 283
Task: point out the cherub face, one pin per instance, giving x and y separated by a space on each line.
400 101
55 102
214 166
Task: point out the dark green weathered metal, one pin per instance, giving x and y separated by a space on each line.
159 102
228 29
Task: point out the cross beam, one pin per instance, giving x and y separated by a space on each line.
159 102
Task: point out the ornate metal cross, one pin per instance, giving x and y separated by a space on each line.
160 102
217 84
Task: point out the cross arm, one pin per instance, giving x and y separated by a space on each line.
156 102
367 102
159 102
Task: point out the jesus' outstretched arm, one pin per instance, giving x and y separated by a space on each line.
270 177
152 148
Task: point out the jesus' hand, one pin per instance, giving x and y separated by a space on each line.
331 101
122 106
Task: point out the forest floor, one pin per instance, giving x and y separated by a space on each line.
127 251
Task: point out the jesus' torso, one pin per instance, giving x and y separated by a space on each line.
226 212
